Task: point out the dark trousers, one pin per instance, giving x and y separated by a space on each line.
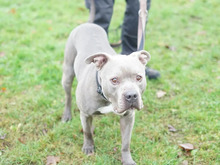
103 15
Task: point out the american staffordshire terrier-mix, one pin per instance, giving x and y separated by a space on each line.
119 79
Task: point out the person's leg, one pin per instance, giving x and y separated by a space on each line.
130 26
103 12
129 32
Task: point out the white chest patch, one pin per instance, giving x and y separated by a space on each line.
108 109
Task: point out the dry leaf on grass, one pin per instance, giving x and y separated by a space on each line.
12 11
52 160
186 147
171 128
22 140
160 94
172 48
81 9
3 89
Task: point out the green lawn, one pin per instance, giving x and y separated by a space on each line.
183 37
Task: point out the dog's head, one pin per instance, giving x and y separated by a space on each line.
122 78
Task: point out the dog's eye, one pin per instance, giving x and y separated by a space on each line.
138 78
115 81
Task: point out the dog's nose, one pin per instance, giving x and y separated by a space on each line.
131 97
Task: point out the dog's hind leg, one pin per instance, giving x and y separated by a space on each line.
68 76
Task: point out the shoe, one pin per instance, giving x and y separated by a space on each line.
151 73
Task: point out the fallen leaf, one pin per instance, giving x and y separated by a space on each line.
3 89
52 160
2 137
186 147
12 11
2 54
22 140
81 9
171 128
160 94
185 162
172 48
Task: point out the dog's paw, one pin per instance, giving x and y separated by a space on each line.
66 118
127 159
88 150
129 163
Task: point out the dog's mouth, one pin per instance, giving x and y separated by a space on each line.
123 106
117 111
131 108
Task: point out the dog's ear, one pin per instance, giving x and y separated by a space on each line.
99 59
143 56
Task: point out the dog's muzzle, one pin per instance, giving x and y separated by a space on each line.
130 102
131 97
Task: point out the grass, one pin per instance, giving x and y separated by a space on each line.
183 39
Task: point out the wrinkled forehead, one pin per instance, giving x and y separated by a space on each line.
124 65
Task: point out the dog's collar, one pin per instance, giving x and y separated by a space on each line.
99 87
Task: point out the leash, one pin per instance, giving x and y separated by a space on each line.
141 24
92 12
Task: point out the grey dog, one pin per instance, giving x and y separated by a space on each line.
119 79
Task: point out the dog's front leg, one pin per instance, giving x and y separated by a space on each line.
88 144
126 124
